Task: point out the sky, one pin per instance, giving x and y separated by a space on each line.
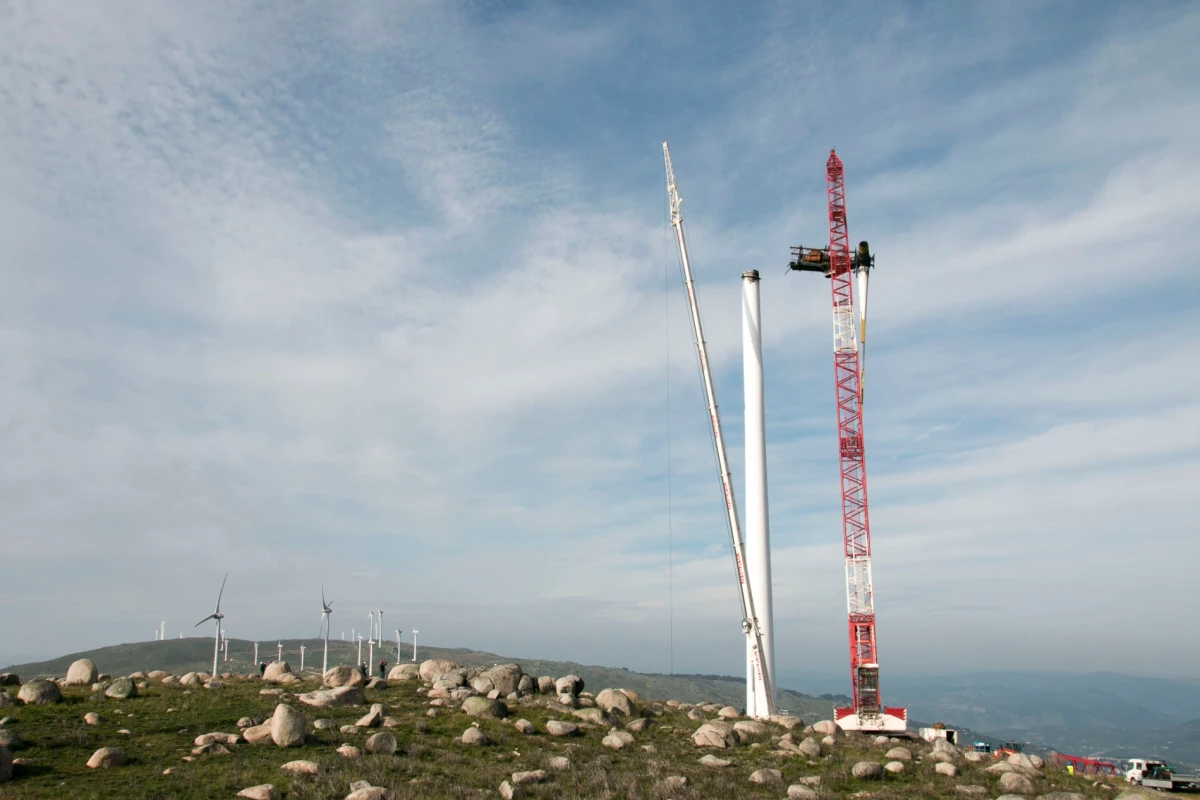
382 297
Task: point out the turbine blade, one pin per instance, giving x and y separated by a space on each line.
323 603
206 619
218 611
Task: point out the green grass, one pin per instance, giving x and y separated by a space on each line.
431 761
195 654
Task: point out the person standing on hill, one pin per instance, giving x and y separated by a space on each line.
382 669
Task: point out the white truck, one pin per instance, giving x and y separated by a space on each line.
1158 775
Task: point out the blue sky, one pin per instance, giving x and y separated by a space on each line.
373 296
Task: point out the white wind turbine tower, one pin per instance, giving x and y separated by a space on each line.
162 628
279 651
415 632
397 645
218 616
302 658
256 654
224 645
370 657
326 610
360 648
380 630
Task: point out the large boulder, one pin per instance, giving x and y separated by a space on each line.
616 740
382 743
6 699
264 791
121 689
1014 783
404 672
1021 760
82 673
714 734
6 765
191 679
809 747
371 793
435 668
475 737
505 678
287 726
302 767
484 707
10 679
545 685
9 739
276 670
373 718
343 676
107 757
593 715
867 770
615 702
333 698
899 754
482 684
40 692
557 727
766 776
257 734
569 684
828 727
749 729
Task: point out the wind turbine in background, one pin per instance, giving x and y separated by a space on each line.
360 648
397 645
218 616
225 645
415 632
162 630
256 654
279 651
379 634
326 610
370 657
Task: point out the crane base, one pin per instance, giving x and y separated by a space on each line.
891 720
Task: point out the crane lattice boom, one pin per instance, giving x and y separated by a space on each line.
750 623
840 267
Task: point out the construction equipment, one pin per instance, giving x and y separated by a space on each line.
1079 765
750 623
1159 775
840 266
1008 749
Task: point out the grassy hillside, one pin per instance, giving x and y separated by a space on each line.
185 655
157 729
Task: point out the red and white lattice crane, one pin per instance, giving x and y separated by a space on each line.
849 334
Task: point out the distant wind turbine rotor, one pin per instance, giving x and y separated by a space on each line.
326 610
218 616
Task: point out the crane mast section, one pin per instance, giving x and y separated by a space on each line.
847 381
750 624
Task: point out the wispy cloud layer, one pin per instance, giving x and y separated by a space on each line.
375 298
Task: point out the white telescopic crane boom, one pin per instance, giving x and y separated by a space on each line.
749 618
